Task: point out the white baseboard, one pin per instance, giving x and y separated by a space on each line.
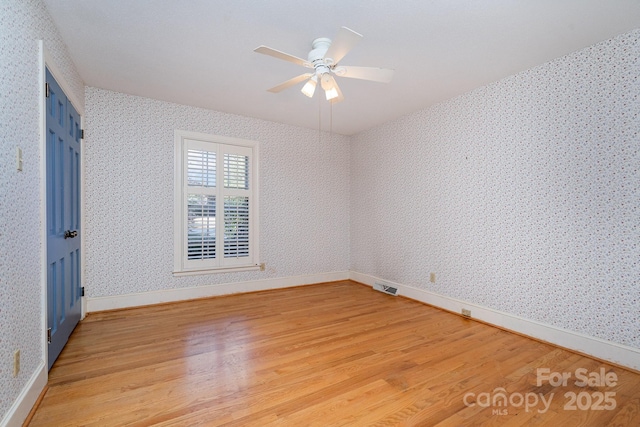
617 353
181 294
23 404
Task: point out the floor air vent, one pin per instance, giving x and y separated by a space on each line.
385 288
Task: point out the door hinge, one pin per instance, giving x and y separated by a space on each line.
81 133
82 291
46 90
49 336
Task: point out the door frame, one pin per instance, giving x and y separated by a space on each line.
47 61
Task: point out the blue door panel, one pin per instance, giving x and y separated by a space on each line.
63 218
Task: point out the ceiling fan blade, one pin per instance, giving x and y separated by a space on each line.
374 74
290 82
281 55
344 41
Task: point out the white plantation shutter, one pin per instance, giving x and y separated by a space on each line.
216 211
236 207
201 201
236 171
201 168
201 226
236 227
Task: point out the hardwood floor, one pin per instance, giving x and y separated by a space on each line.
322 355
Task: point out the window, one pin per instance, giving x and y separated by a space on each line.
216 211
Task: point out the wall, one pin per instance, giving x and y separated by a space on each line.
522 196
22 24
304 195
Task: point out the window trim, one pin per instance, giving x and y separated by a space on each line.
180 265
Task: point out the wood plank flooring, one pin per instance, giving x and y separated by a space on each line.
335 354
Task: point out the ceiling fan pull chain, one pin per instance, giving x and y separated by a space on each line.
331 123
319 119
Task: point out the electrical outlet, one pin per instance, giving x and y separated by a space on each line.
432 277
466 313
16 363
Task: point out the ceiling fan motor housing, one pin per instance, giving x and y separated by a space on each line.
316 56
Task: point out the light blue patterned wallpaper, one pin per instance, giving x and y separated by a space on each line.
304 194
522 196
22 24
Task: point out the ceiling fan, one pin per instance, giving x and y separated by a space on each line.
324 59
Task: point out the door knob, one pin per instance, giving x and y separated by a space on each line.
70 234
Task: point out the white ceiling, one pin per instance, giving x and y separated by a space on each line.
200 52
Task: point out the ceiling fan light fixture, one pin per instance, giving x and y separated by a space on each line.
327 81
331 93
309 87
329 85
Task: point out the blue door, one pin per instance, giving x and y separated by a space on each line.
63 218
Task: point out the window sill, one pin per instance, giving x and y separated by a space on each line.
215 271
